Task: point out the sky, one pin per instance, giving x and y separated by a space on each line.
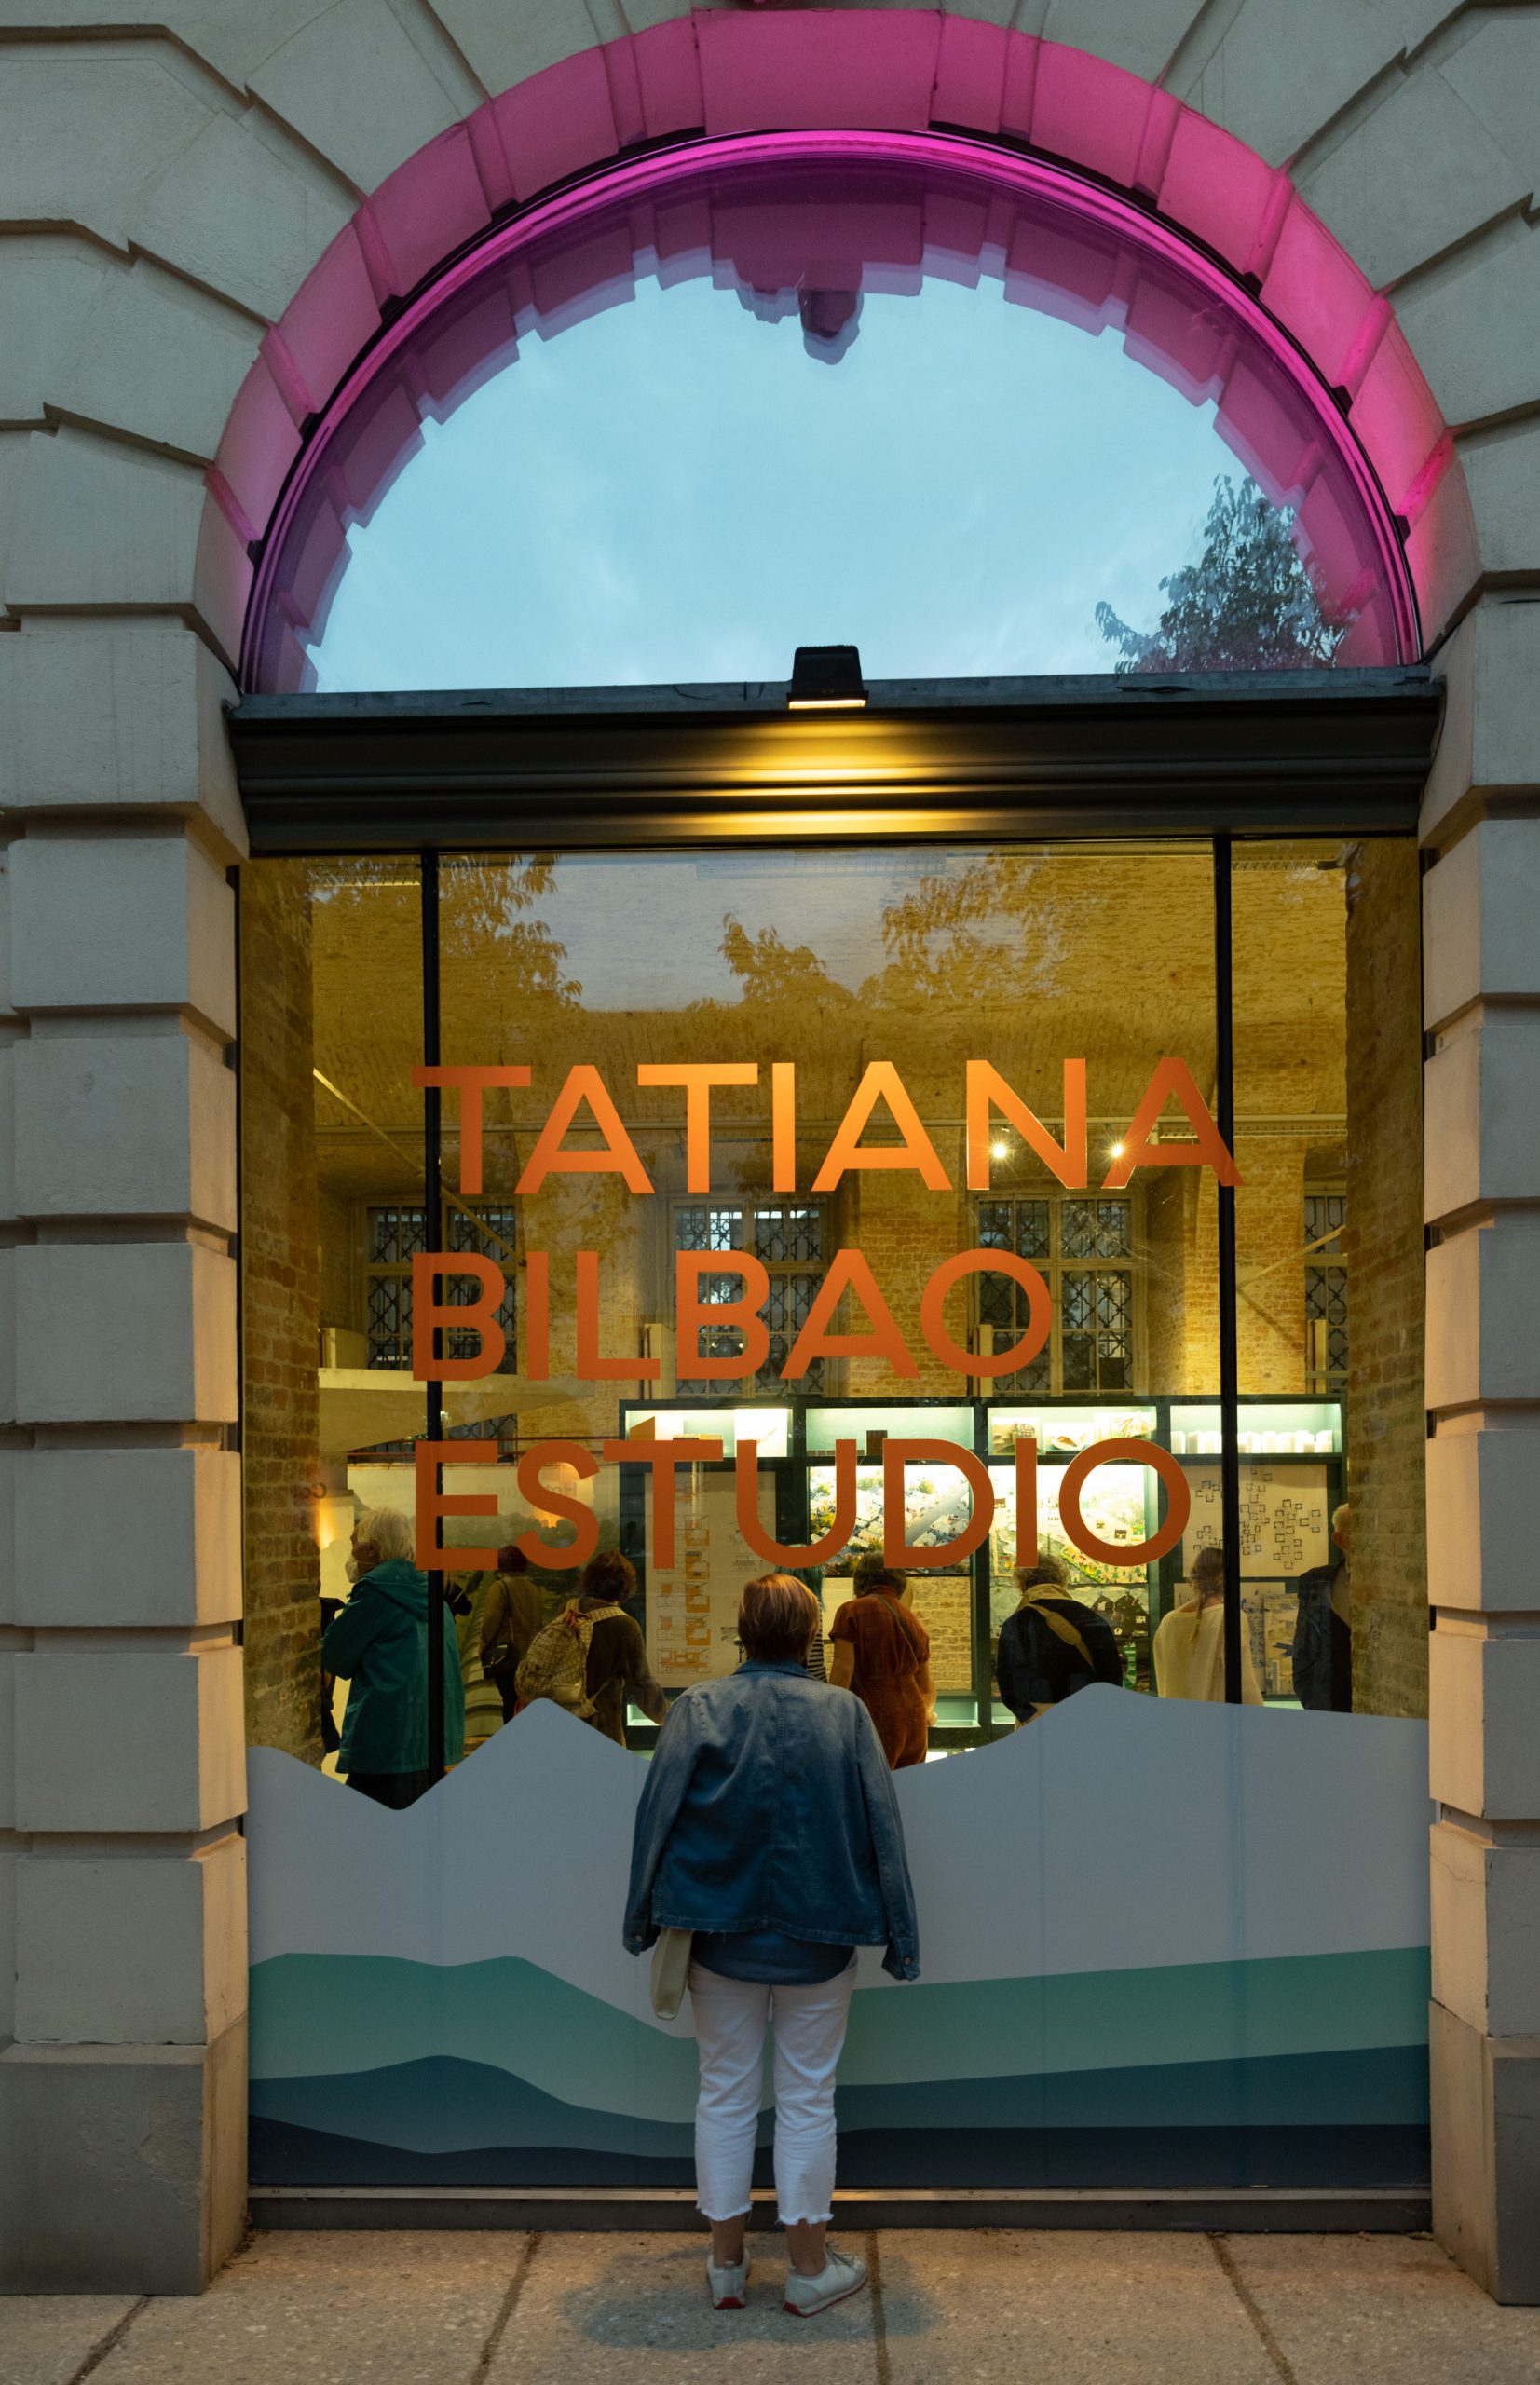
676 490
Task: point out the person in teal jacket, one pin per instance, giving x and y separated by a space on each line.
378 1645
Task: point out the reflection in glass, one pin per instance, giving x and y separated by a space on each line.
927 404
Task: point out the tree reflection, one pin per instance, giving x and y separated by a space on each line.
1250 602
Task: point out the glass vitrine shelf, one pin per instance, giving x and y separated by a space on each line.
1291 1480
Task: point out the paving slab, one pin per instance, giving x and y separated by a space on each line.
997 2306
1349 2310
632 2310
46 2338
372 2308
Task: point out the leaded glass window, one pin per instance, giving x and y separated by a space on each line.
1092 1346
787 1237
395 1238
1325 1291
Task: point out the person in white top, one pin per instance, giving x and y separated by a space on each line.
1188 1647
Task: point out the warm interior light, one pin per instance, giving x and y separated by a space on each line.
1000 1150
826 678
1114 1151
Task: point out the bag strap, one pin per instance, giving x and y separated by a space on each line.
1059 1625
903 1621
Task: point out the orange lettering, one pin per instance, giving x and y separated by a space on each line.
1178 1502
782 1125
698 1078
665 1458
1172 1081
1025 1464
536 1315
988 1090
619 1156
471 1083
592 1367
695 1315
433 1504
429 1316
820 1552
881 1081
1040 1312
849 1272
896 1549
561 1556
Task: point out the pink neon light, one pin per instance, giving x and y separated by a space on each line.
864 84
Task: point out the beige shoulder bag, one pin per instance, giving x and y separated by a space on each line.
671 1971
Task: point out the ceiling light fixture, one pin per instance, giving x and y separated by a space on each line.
826 678
1000 1150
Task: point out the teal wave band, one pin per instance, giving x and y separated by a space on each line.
326 2016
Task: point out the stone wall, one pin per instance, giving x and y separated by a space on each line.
163 199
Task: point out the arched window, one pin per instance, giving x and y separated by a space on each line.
959 406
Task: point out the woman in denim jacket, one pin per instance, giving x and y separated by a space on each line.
768 1827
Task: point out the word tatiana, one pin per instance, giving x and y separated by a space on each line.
986 1091
666 1459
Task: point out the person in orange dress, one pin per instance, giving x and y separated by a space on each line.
882 1652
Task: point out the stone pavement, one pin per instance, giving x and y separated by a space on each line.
981 2308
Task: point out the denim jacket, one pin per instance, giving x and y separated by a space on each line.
768 1805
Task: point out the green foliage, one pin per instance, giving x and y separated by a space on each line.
1248 603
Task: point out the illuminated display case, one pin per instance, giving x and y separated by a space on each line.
1291 1478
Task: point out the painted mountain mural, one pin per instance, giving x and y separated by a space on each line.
1162 1945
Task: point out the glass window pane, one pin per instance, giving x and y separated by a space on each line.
335 1210
1329 1233
1173 532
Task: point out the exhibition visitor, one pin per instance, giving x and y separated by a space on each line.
882 1652
1053 1645
512 1611
1323 1630
769 1828
592 1658
1188 1647
378 1645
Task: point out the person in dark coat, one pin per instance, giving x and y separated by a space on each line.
378 1645
512 1611
1053 1645
1323 1634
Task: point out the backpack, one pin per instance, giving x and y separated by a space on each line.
555 1664
1088 1635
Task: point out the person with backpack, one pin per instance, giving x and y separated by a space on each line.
882 1652
592 1657
1053 1645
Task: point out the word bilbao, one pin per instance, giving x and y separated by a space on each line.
665 1458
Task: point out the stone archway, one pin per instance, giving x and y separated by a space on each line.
203 223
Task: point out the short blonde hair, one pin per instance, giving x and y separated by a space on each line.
777 1617
389 1531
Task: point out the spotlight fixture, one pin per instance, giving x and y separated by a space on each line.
1115 1150
826 678
1000 1150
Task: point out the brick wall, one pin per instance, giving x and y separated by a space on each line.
1269 1236
1387 1412
280 1310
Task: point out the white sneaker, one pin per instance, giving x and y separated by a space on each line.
727 2285
841 2275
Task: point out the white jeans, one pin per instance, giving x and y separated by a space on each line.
730 2019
